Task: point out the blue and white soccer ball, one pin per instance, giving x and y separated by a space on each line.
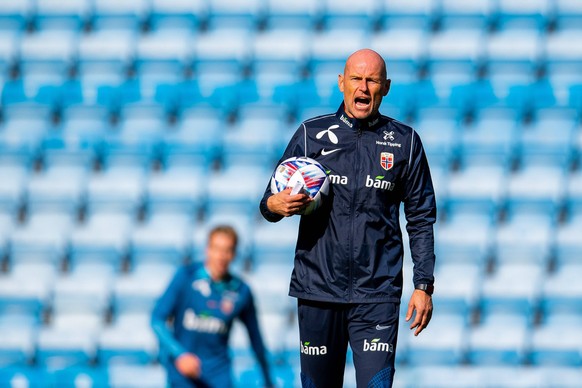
302 173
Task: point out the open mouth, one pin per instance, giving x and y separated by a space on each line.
362 102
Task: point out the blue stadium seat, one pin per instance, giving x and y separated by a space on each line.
568 14
512 288
275 242
251 141
21 137
445 346
186 15
163 237
300 15
103 57
563 61
417 13
573 194
466 237
438 128
278 57
129 340
84 291
548 141
116 190
575 96
525 238
549 345
512 57
231 96
500 339
523 14
526 99
28 376
458 285
476 189
12 190
195 141
481 147
117 97
221 57
412 98
249 182
9 43
470 97
111 14
162 57
462 14
60 188
558 299
65 15
65 347
568 246
103 238
16 15
298 96
16 345
22 295
234 14
93 376
454 57
524 193
7 221
136 292
42 238
46 57
340 14
146 376
177 189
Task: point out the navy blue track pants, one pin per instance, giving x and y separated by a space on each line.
325 329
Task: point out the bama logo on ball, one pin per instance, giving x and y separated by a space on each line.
386 160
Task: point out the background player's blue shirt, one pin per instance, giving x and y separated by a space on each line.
203 312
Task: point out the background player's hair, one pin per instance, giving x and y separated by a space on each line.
226 229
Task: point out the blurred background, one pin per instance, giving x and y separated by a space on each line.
129 128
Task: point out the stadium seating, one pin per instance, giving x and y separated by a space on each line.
129 128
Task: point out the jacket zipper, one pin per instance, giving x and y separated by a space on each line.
353 216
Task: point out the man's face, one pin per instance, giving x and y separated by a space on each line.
363 84
219 254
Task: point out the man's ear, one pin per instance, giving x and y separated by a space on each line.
387 86
340 82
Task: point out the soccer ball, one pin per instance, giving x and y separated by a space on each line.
301 173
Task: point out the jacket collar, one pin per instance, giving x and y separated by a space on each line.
366 124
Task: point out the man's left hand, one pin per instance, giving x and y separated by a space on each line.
421 302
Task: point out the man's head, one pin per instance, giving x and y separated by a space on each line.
220 251
364 83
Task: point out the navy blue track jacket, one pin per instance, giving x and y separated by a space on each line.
350 249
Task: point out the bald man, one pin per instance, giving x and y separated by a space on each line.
348 259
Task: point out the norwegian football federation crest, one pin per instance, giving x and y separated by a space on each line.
386 160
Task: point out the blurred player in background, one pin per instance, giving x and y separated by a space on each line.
348 259
203 300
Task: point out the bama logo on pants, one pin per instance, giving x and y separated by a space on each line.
376 346
310 350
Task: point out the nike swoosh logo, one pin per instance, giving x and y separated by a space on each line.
324 152
379 327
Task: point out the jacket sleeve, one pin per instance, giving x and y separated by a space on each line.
296 147
249 318
420 210
165 308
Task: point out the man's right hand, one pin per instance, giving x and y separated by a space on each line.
288 205
189 365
